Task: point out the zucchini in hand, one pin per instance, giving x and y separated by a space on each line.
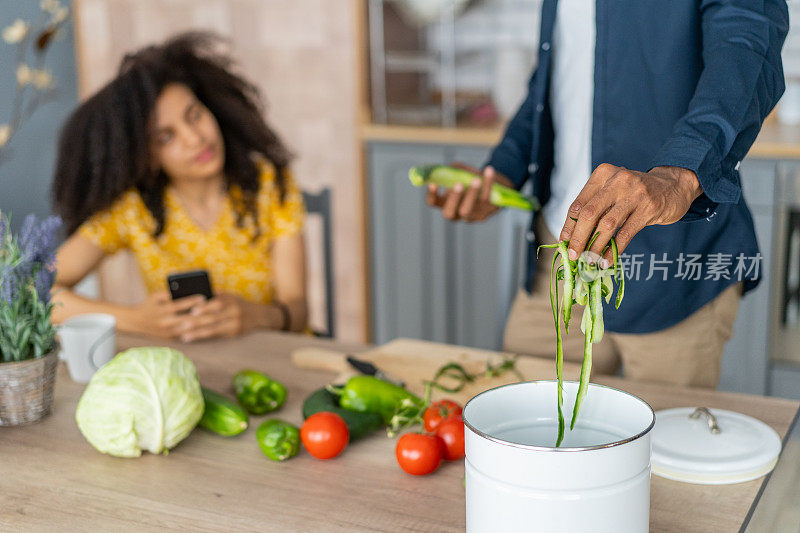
447 177
222 416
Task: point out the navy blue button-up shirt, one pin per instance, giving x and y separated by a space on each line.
681 83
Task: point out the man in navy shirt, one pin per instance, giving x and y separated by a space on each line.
656 103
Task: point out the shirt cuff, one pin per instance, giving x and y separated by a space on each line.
702 207
705 161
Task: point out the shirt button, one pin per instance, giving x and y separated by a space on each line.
530 237
532 168
539 108
545 46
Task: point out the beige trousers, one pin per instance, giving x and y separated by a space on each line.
688 353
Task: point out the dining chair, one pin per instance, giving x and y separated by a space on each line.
319 204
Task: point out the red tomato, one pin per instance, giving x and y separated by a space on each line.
324 435
451 431
438 411
418 454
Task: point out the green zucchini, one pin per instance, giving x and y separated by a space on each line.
358 424
447 176
221 415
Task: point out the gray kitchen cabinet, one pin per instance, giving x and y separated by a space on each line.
430 278
454 282
784 341
745 362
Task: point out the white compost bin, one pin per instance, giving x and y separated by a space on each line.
598 480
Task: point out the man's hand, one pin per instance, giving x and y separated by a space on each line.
625 201
472 204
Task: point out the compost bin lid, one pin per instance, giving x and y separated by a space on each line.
713 447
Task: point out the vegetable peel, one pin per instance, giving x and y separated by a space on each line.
583 283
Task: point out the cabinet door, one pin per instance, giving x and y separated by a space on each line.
489 263
784 337
404 297
746 358
430 278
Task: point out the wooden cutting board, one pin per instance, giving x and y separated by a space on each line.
415 361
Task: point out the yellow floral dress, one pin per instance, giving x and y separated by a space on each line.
235 262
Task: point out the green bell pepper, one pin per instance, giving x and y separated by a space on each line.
368 394
278 440
258 393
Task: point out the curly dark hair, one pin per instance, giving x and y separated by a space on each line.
104 149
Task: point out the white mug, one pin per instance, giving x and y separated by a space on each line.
87 343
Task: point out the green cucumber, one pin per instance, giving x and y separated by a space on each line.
447 177
358 424
222 415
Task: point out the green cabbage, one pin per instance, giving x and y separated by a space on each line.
143 399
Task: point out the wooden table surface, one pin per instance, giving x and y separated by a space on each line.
52 479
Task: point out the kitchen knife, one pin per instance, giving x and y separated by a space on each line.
367 368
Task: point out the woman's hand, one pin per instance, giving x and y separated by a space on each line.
225 315
160 316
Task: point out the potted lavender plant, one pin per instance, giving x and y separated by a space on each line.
28 349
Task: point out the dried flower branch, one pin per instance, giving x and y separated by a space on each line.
16 32
34 85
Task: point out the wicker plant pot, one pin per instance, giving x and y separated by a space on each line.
26 389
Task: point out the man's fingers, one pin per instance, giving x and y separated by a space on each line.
497 177
593 185
451 203
467 206
574 212
633 225
606 226
489 178
586 226
433 198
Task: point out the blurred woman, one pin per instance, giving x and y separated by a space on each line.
173 161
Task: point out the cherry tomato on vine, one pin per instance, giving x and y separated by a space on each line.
438 411
419 454
451 432
324 435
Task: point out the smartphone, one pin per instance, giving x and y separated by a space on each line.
184 284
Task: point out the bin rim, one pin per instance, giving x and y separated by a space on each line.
532 447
